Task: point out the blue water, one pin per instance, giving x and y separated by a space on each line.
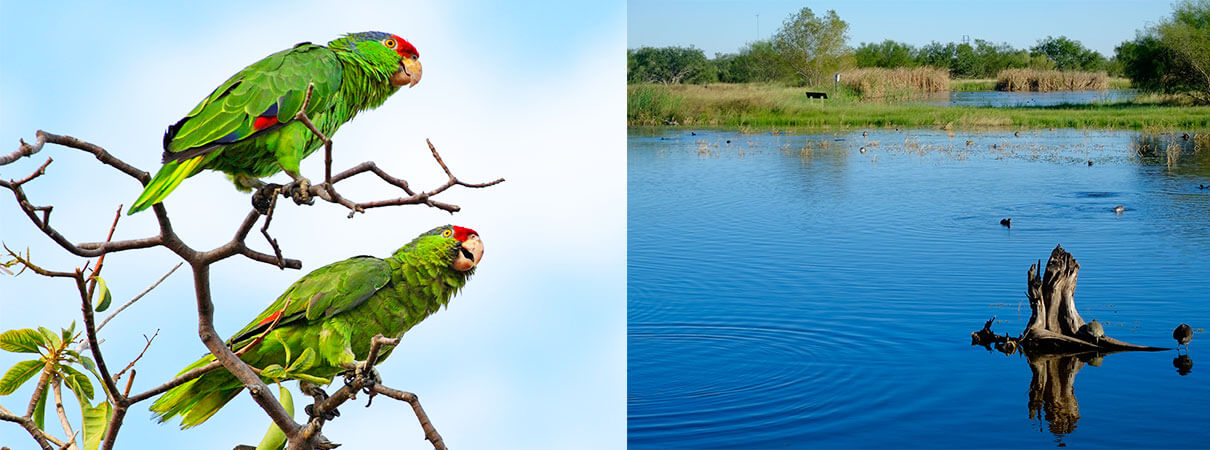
1008 99
792 291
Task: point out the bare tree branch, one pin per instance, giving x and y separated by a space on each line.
44 440
56 384
199 262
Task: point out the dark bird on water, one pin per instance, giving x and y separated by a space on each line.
1119 209
1183 334
1090 163
1202 186
1007 222
1185 136
1017 133
862 134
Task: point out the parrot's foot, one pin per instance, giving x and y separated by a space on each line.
263 197
300 191
359 371
314 391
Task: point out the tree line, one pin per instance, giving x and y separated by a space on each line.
1171 56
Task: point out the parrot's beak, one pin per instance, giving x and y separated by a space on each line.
470 253
408 74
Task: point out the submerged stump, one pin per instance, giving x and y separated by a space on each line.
1055 326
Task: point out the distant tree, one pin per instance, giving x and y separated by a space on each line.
887 54
1187 34
936 54
669 65
814 47
1171 56
755 62
992 58
1068 54
965 62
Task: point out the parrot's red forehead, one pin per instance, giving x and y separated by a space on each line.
405 48
463 233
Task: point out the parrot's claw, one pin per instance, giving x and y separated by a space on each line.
263 197
300 191
320 396
360 371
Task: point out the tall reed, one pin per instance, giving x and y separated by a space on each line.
879 83
1050 80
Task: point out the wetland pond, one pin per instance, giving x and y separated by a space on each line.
1001 99
791 290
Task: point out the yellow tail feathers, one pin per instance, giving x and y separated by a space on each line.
165 181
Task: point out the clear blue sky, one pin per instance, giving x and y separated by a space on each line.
724 26
531 354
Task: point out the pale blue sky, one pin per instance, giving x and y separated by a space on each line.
724 26
530 355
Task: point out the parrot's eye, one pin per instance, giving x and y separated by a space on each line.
447 233
390 43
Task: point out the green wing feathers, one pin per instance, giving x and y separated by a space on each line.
277 84
323 293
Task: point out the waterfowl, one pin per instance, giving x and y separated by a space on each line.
862 150
1185 136
1007 222
1183 334
1017 133
1090 163
1119 209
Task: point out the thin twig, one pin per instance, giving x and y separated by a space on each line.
137 297
137 358
101 261
56 384
430 432
265 229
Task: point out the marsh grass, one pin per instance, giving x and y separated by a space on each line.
756 108
1050 80
879 83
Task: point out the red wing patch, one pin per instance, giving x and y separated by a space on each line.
271 318
263 122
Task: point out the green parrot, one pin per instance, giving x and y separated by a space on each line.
335 311
246 127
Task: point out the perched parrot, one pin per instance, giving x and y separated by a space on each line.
335 311
246 127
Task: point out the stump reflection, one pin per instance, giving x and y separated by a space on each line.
1052 389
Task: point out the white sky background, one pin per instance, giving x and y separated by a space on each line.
530 355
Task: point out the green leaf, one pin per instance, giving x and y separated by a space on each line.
88 364
18 375
304 361
274 438
50 338
273 371
96 421
310 378
78 383
24 340
40 408
103 292
70 332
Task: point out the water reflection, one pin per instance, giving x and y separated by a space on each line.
1183 364
1013 99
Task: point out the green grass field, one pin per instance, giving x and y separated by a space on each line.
770 106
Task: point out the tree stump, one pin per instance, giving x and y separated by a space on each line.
1055 326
